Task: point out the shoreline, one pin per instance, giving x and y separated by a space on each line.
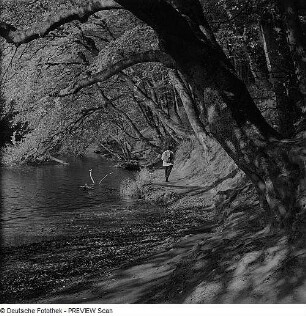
240 260
61 272
154 278
229 257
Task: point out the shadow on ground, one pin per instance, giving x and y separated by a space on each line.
237 260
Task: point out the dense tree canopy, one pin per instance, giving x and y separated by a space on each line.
112 72
45 68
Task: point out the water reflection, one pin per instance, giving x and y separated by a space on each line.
57 234
46 201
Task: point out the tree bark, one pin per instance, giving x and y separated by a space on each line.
108 72
297 45
281 72
189 106
237 123
82 13
176 127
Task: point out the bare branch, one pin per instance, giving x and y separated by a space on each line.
82 13
10 63
111 70
49 64
128 119
155 108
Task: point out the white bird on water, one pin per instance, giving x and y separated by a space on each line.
93 181
91 186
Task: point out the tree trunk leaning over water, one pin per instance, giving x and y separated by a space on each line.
237 123
276 166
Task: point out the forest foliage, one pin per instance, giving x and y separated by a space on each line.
108 116
129 77
42 124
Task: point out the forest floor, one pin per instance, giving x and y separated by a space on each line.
233 258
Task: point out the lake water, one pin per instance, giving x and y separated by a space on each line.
47 201
54 233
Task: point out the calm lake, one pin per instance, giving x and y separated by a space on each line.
54 233
43 202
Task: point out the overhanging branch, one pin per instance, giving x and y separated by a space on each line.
81 13
113 69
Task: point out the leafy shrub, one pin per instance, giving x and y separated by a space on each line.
129 188
13 155
133 187
144 177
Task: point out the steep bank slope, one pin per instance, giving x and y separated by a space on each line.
198 179
234 257
242 260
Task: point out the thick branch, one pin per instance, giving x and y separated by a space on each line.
179 129
149 118
189 106
81 13
111 70
128 119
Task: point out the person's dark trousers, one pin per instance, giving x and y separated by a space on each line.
168 171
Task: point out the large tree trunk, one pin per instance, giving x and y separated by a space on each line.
258 67
281 73
297 45
190 109
236 123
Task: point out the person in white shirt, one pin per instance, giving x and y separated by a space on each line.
168 160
